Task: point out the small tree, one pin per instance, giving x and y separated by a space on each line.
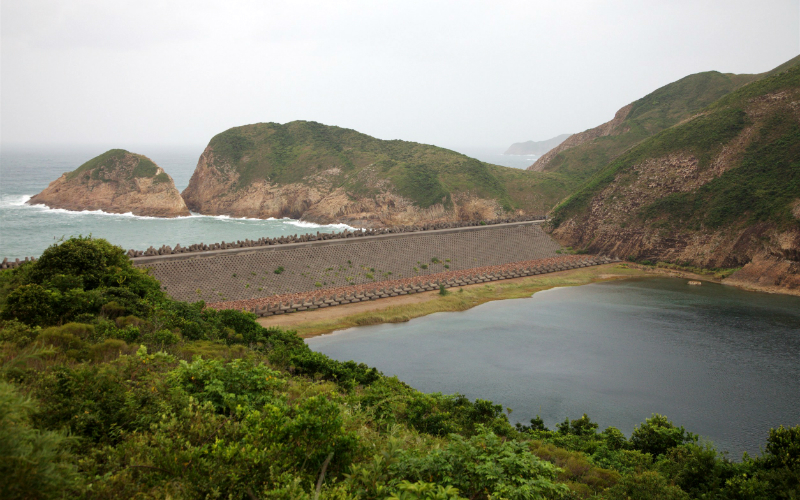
657 435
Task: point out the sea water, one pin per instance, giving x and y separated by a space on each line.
723 362
27 230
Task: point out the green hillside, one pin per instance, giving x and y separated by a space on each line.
659 110
109 163
297 151
765 178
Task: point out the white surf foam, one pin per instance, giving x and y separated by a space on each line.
311 225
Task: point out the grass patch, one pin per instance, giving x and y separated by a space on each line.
466 298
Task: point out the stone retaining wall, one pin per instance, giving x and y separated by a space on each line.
284 304
265 271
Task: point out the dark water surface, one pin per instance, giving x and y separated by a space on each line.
723 362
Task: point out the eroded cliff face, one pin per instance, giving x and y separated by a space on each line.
320 198
767 251
116 182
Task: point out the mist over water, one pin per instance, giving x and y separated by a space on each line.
27 230
722 362
495 156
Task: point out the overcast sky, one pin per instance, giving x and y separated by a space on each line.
455 74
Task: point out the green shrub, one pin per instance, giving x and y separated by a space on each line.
579 427
163 337
484 466
657 435
645 486
228 385
107 350
34 464
68 337
112 309
33 304
424 491
17 332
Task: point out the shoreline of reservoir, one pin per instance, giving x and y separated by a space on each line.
407 307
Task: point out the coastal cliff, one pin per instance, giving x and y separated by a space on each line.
719 190
117 181
325 174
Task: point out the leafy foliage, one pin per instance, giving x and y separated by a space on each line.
34 463
184 402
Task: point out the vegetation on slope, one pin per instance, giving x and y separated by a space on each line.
652 114
296 151
109 389
759 187
108 162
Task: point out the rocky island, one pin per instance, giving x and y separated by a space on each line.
117 181
325 174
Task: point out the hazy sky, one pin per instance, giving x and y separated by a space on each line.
456 73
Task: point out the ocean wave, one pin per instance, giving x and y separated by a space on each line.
311 225
20 201
14 200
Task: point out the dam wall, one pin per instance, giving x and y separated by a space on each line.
259 272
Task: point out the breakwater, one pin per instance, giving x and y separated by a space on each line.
9 263
259 272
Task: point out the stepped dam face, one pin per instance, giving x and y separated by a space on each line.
263 272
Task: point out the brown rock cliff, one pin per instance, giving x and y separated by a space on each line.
116 182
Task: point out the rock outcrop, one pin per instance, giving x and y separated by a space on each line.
324 174
116 182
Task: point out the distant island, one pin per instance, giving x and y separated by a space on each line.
116 181
535 147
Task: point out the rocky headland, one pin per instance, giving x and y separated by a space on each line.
325 174
117 181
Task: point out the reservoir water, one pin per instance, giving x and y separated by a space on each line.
723 362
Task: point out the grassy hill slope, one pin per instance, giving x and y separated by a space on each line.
721 189
659 110
355 169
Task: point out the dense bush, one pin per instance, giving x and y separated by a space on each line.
116 410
